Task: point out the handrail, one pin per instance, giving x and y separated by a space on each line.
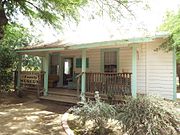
112 73
80 74
78 77
34 72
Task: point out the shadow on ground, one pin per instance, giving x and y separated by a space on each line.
29 116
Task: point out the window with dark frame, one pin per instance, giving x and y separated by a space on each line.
54 64
110 62
79 62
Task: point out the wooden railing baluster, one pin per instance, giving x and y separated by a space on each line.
117 83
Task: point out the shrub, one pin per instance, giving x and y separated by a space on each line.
97 112
7 58
149 116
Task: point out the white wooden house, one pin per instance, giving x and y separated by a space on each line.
123 67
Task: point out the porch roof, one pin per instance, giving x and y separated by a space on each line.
62 45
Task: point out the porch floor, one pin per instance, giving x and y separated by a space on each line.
70 96
61 95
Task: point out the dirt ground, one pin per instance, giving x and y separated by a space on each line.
29 116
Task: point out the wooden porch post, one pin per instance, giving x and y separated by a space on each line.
134 72
19 66
83 79
46 70
60 71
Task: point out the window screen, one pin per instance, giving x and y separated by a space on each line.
110 61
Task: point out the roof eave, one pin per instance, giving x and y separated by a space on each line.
95 44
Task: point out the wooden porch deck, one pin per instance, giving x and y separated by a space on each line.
70 96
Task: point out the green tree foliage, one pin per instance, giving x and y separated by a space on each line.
15 36
31 63
172 25
7 58
53 12
48 11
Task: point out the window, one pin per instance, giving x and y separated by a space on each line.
110 61
79 62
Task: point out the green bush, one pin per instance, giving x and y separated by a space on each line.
7 58
97 112
149 116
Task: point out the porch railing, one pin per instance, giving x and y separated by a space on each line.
32 80
107 83
78 77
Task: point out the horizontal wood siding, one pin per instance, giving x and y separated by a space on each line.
160 72
141 69
94 56
125 60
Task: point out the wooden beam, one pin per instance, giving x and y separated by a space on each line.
19 66
83 79
46 70
60 73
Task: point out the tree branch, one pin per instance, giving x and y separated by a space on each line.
37 8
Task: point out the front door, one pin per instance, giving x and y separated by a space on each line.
67 71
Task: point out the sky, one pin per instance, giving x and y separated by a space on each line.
145 23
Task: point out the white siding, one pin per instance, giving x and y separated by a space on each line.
141 69
160 72
94 59
125 59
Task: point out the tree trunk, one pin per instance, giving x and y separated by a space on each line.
3 19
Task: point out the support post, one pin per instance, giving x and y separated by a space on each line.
46 70
174 74
19 66
83 79
134 72
60 70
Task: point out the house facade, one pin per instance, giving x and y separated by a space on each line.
134 66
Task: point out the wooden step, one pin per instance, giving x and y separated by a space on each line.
65 99
62 94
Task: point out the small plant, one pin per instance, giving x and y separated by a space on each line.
110 96
149 116
97 112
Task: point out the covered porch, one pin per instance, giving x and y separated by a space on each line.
84 83
113 85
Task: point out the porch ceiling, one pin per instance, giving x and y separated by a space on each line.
42 49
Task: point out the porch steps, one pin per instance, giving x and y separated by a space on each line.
58 98
62 94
